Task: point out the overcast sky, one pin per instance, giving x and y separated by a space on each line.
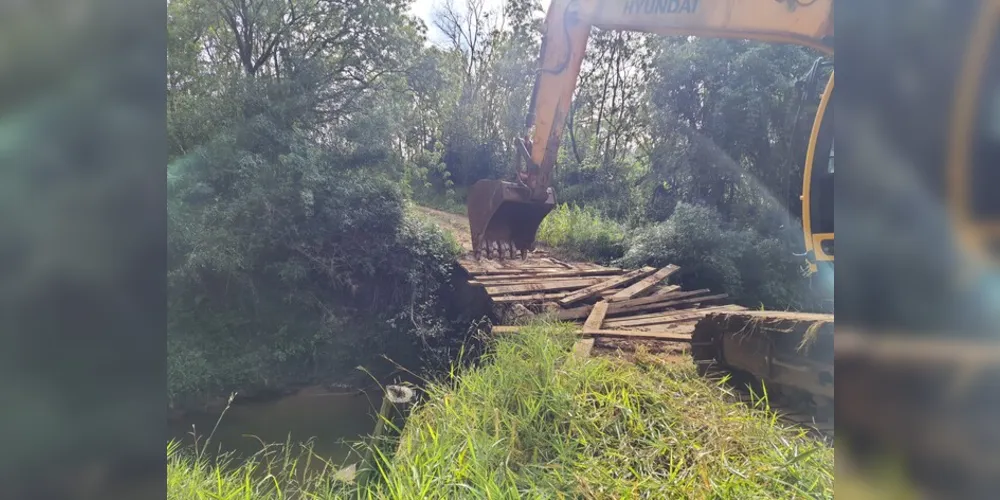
424 9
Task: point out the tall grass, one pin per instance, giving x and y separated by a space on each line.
582 232
533 422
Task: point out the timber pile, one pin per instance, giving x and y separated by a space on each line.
608 301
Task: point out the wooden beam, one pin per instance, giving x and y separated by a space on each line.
665 290
644 284
593 290
667 318
670 303
619 307
538 287
596 318
682 335
533 280
554 274
535 297
677 335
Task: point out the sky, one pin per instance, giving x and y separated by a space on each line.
424 9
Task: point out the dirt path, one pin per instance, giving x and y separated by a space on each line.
457 225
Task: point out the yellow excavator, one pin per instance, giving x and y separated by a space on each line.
504 216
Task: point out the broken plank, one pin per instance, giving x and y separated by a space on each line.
538 287
644 284
596 317
592 290
627 307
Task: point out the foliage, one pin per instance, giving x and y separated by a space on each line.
583 232
555 425
755 269
291 256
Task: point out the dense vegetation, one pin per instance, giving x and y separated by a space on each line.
299 130
534 422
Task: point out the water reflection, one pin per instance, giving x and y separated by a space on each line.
332 418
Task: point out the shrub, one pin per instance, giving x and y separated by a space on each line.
293 266
582 232
752 269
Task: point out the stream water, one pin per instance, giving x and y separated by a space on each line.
332 419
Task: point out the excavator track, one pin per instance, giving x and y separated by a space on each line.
786 356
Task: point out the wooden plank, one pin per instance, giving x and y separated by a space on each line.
534 281
596 317
554 274
535 297
682 335
670 303
538 287
593 290
644 284
662 314
665 290
582 348
583 311
628 307
667 318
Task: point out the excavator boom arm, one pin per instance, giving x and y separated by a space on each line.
567 28
504 216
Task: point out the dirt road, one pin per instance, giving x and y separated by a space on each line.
457 225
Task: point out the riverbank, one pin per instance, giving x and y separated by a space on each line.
531 420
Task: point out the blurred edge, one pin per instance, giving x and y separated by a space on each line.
918 385
82 252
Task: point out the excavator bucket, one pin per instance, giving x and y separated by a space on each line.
503 218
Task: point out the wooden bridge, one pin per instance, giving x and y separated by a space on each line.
607 301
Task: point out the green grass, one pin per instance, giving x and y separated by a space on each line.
531 422
582 232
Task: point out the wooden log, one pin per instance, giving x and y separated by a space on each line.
643 285
617 281
396 403
624 307
537 287
596 317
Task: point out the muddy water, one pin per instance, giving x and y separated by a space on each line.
332 418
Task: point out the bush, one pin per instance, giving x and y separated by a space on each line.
582 232
755 271
293 266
